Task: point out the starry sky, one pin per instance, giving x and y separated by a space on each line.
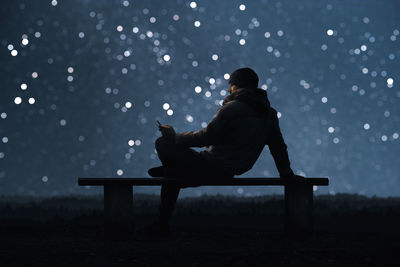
84 81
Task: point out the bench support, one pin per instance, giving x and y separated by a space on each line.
299 210
118 211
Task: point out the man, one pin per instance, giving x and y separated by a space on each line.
233 141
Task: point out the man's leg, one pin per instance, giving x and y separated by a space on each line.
174 159
179 162
169 196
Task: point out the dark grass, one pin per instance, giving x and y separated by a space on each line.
350 230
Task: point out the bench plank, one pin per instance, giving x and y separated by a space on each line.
118 199
205 182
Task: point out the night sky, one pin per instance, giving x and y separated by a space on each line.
83 83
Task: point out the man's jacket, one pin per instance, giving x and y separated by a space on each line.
238 133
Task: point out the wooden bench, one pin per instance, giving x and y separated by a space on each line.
118 199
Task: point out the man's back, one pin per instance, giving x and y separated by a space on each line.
238 132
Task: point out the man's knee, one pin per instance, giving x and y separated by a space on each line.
162 144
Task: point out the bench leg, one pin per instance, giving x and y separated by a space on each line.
118 211
299 210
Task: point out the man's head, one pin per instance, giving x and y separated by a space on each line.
243 78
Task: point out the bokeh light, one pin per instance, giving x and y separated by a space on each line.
84 89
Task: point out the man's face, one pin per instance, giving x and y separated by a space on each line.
232 88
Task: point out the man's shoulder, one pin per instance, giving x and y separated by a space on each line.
235 106
231 107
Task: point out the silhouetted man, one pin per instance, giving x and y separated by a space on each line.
233 141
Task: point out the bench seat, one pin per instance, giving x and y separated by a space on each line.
118 199
205 182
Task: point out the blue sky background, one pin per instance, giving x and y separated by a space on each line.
83 83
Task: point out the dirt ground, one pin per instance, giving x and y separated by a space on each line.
204 233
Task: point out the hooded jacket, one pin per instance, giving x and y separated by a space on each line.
238 132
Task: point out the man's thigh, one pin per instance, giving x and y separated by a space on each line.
175 155
186 162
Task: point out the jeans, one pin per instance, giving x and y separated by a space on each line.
183 163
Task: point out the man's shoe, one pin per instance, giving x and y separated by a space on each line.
157 172
294 179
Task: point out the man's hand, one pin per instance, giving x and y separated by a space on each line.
167 131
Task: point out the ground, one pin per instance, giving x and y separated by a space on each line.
213 231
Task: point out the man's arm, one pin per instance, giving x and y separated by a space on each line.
278 147
212 134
